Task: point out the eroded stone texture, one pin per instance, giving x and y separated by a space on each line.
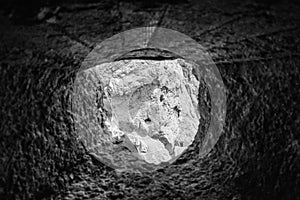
154 105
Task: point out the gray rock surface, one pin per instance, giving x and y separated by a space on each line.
155 104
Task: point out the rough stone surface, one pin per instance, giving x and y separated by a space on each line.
255 45
155 104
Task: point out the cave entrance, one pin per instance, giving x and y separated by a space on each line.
151 108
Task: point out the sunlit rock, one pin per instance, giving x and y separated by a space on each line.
151 107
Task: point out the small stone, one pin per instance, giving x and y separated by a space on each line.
71 176
52 20
44 12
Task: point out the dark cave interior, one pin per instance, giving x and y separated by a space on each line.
254 44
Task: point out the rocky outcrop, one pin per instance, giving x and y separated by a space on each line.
154 104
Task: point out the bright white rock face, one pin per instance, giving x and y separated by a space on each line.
154 105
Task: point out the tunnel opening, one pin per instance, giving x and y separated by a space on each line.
152 109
